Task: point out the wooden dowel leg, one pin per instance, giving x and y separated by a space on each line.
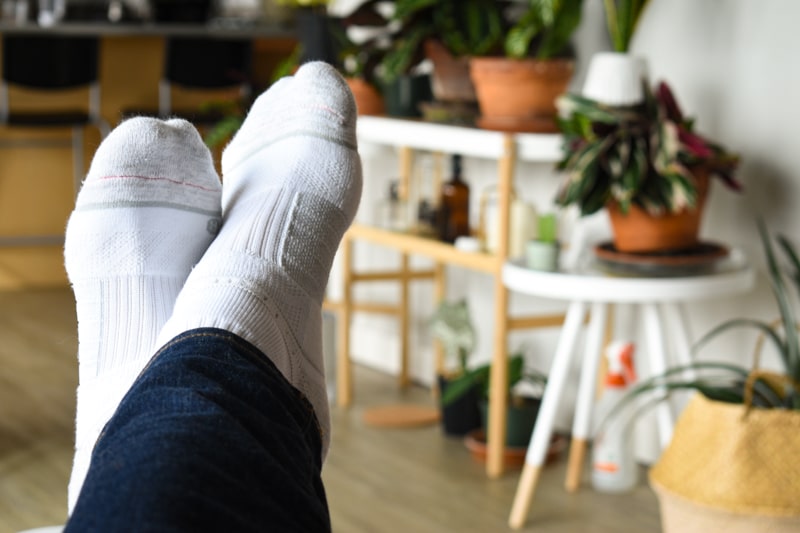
524 496
577 454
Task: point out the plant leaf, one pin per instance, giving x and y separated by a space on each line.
791 355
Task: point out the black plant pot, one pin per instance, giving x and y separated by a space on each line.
314 34
463 415
520 420
404 95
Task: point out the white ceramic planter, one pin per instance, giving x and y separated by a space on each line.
615 78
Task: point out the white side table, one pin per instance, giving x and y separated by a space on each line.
659 302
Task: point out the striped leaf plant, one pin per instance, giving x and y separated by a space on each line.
645 155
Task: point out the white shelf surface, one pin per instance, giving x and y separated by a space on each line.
474 142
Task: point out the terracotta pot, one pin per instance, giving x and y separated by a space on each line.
369 100
638 231
519 94
450 81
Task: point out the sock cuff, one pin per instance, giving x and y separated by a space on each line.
148 191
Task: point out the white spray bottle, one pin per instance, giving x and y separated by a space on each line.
613 462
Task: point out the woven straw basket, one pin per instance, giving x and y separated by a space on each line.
730 469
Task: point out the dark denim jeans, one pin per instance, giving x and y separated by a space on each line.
211 437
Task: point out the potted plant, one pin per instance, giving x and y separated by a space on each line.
359 61
448 32
452 326
615 78
735 452
518 85
525 389
645 164
542 253
397 52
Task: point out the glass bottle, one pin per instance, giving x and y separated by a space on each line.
453 212
392 211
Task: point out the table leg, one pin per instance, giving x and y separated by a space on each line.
344 371
543 430
581 427
654 333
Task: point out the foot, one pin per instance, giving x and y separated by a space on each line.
149 208
292 183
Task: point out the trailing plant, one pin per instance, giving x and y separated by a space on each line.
647 154
737 384
622 16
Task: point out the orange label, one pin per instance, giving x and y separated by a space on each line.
606 467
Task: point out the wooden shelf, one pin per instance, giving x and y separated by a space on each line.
413 136
428 247
473 142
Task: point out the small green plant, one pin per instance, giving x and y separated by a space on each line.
465 27
547 228
479 376
544 29
645 154
452 326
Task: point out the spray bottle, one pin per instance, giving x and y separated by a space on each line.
613 464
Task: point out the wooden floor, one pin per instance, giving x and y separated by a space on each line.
378 480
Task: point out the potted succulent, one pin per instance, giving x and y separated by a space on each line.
542 253
517 85
645 164
735 452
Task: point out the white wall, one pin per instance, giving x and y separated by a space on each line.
732 64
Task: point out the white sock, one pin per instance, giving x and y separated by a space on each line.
291 187
149 208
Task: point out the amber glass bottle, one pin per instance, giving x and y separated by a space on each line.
454 205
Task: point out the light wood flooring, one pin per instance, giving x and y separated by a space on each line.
378 480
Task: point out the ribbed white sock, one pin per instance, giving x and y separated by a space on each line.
291 187
149 208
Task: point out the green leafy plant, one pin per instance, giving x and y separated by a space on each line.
737 384
645 154
479 376
622 16
536 28
465 27
452 326
544 29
